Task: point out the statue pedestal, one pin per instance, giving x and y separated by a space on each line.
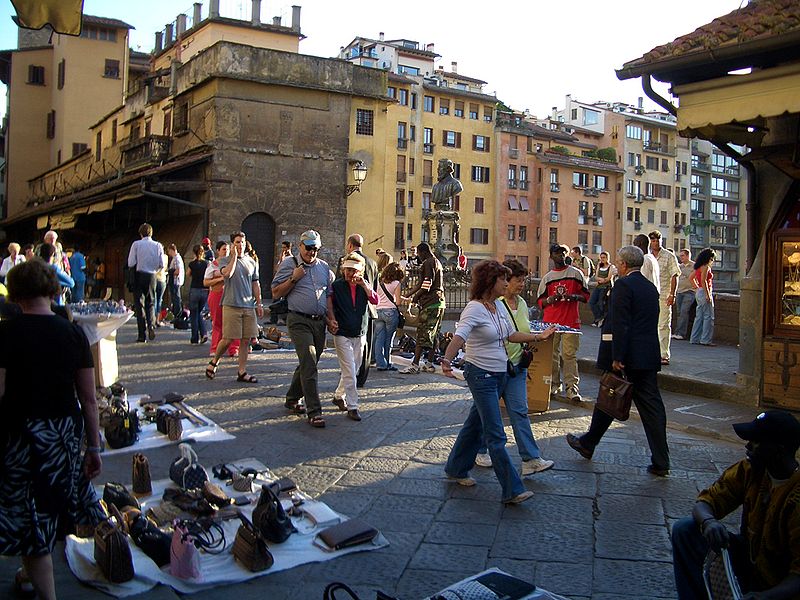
442 227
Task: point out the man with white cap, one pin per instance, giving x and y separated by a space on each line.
348 299
305 287
766 552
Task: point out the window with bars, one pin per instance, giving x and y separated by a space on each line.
365 121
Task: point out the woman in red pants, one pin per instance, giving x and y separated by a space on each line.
214 281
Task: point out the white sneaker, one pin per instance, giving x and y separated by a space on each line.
678 337
428 367
536 465
410 370
483 460
465 481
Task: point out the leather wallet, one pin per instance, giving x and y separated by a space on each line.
345 535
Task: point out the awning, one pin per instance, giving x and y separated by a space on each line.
523 203
63 221
101 206
739 99
512 203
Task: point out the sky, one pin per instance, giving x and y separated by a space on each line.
531 53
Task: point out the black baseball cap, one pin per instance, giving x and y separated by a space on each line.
559 248
776 426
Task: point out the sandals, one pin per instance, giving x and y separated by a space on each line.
246 378
316 421
211 369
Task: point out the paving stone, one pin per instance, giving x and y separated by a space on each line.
633 579
367 480
315 480
547 508
630 509
337 462
422 470
430 488
616 539
435 457
346 500
402 542
392 520
397 451
448 557
476 534
381 465
568 483
373 567
408 503
647 485
677 508
562 542
523 569
564 578
470 511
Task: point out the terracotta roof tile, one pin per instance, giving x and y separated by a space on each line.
761 19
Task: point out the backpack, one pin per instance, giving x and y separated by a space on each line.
182 320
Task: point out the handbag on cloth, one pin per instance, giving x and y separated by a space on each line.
718 575
186 471
140 476
184 558
151 540
111 550
122 429
270 519
614 397
169 423
401 320
527 354
250 549
116 494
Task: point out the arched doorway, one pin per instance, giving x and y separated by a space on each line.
260 231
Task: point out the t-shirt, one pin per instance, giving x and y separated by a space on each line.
198 269
41 389
310 294
523 324
770 518
651 270
685 278
566 281
485 333
238 291
434 295
667 269
383 300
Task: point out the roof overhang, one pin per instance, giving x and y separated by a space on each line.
734 107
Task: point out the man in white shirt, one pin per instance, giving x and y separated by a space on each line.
668 272
650 268
176 274
145 257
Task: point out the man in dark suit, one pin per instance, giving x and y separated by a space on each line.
630 344
354 244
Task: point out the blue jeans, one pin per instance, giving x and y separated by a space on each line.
516 398
175 293
683 306
160 287
385 327
597 302
703 329
197 300
484 422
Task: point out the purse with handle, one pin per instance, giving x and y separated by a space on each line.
270 519
111 550
615 395
142 484
250 549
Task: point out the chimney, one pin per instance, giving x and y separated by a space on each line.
173 77
159 41
256 12
454 67
168 36
380 36
429 47
180 21
341 52
295 18
213 9
276 21
554 114
197 15
640 103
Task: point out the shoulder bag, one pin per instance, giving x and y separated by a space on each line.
401 320
186 471
169 422
270 519
527 354
250 549
142 484
614 397
184 560
281 305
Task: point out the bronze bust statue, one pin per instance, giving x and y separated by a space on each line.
447 187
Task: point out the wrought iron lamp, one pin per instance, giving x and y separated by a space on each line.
359 175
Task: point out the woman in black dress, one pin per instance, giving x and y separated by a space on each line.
47 407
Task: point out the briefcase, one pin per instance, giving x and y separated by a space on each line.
345 535
615 395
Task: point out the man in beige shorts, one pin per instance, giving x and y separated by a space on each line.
241 302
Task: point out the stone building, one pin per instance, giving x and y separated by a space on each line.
231 128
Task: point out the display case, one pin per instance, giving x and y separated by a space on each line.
789 285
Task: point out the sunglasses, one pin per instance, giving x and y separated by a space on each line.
312 249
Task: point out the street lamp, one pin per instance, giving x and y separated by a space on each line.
359 175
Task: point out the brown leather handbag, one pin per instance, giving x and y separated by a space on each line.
142 484
111 550
614 397
250 549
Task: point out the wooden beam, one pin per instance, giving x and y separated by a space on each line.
178 186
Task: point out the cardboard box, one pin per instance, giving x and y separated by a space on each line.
540 374
106 366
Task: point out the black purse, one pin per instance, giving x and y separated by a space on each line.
116 494
269 518
186 471
151 540
122 429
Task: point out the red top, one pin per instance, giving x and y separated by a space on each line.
567 281
698 274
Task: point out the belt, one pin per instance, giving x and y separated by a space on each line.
307 316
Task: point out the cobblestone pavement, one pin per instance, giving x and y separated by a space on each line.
594 529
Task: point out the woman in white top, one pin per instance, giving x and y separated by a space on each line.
388 289
486 371
13 259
